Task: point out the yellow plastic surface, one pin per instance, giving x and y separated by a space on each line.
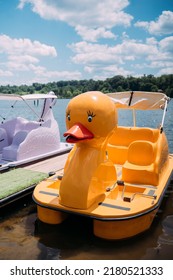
87 163
50 216
122 137
115 175
146 161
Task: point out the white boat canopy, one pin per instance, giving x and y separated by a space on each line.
139 100
14 98
37 96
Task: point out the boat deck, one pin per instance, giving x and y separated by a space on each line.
49 165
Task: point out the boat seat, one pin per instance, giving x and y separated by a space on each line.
141 153
11 152
119 142
3 139
13 126
140 166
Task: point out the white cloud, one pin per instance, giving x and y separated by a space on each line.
54 75
64 75
93 13
143 24
86 53
25 47
123 58
166 45
88 69
5 73
15 66
151 41
161 64
20 54
19 61
165 71
23 55
117 70
110 71
93 35
91 53
97 15
163 25
23 58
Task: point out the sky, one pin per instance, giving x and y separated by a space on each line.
44 41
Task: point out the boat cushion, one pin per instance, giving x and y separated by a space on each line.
140 165
141 153
11 152
3 139
19 137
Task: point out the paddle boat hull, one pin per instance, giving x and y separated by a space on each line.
120 184
114 217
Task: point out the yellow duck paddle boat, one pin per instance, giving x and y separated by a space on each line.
115 175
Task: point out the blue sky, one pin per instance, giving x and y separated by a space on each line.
50 40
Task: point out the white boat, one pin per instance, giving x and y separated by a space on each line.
24 140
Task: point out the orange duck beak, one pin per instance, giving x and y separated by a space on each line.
77 133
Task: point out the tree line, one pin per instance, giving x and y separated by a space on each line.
69 89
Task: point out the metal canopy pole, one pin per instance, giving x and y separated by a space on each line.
134 117
11 107
164 114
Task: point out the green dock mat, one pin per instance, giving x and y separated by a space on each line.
17 180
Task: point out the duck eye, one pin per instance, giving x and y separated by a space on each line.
68 116
90 116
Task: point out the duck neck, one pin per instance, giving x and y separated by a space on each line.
79 186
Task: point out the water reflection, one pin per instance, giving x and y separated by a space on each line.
164 248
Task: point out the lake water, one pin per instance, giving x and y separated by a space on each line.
22 236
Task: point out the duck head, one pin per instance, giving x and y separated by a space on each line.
90 117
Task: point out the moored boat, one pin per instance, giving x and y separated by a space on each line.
23 140
115 175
